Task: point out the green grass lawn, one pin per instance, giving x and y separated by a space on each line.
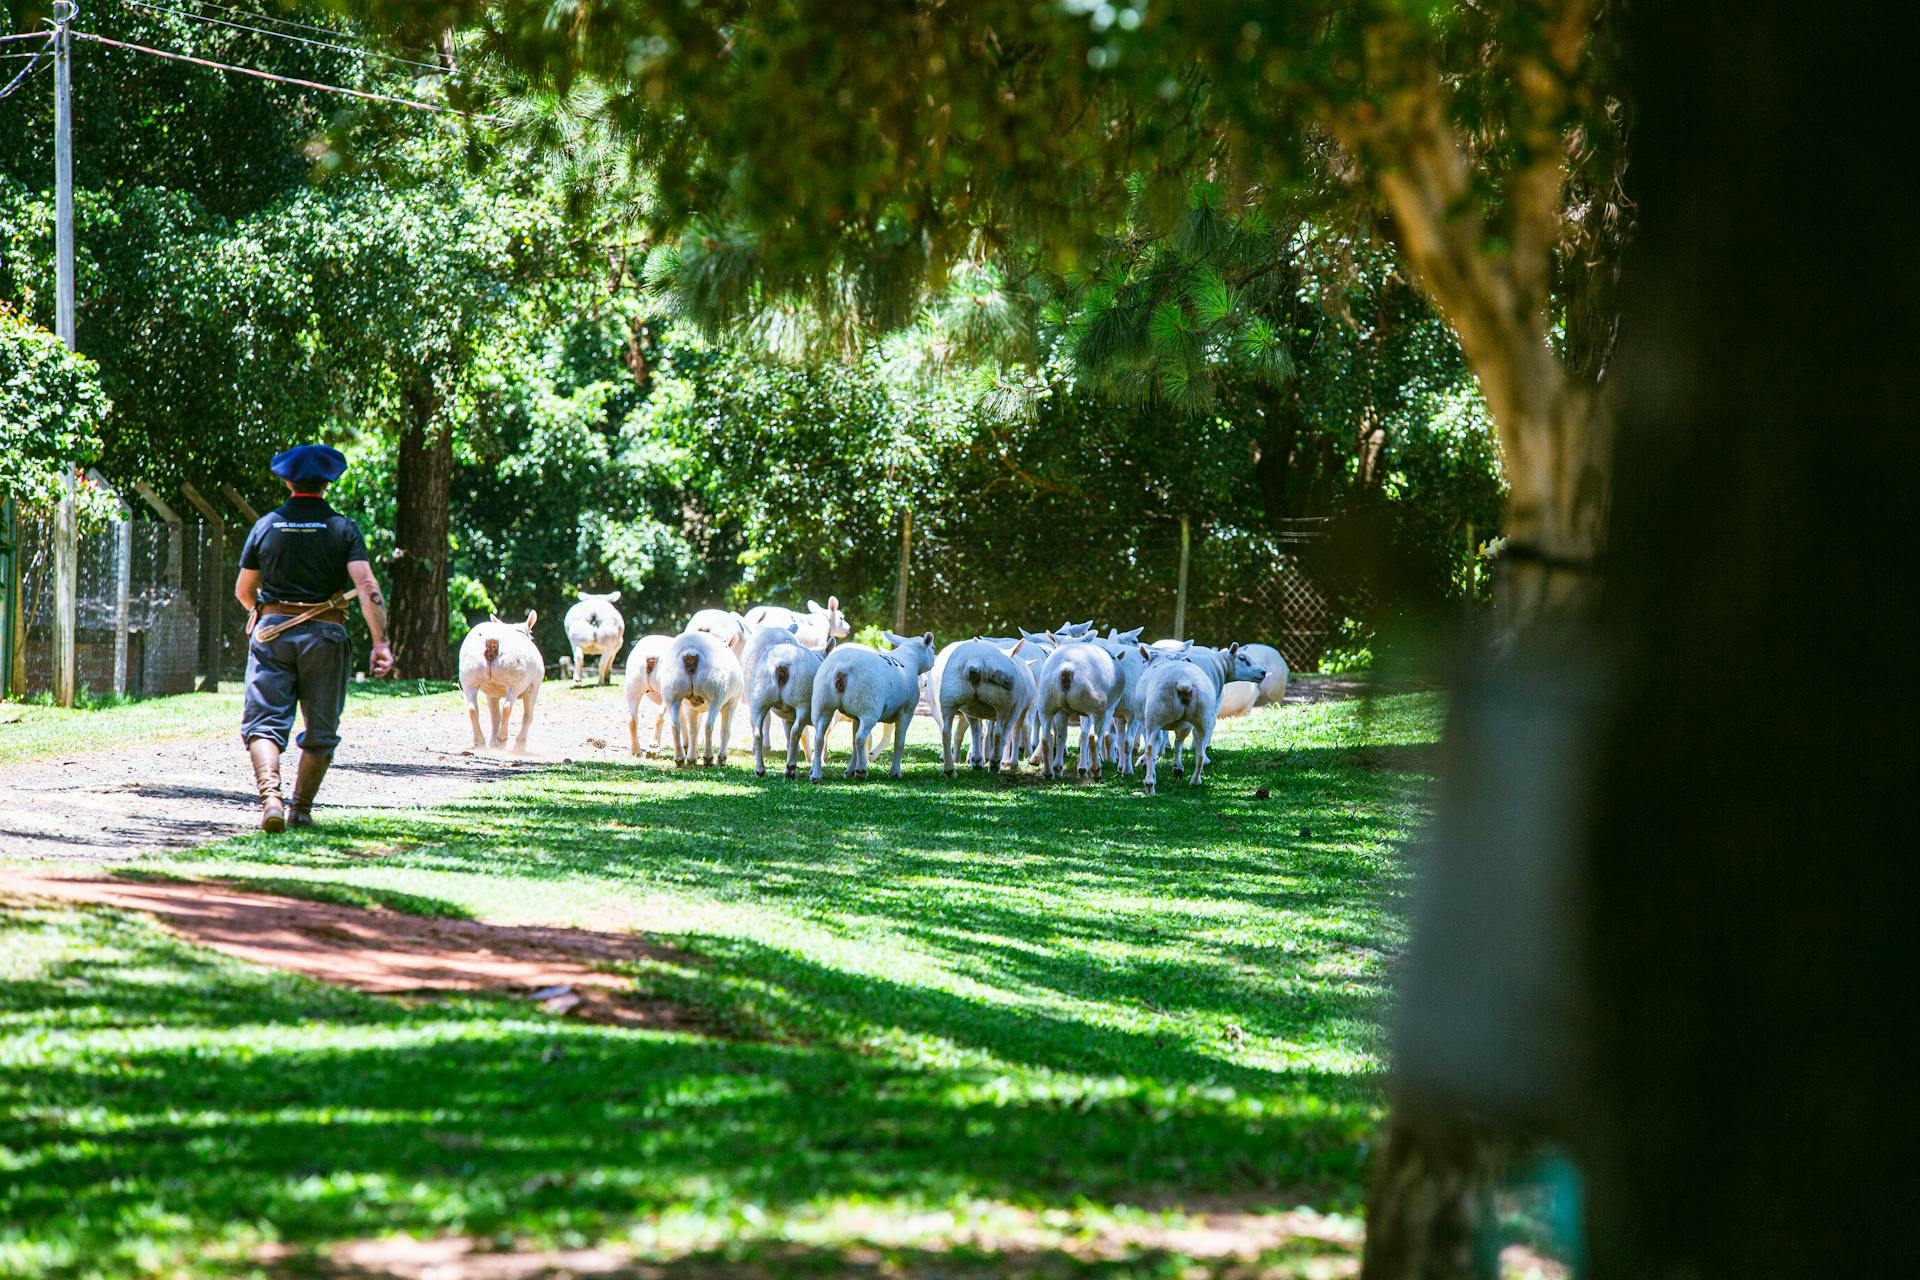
29 729
964 1023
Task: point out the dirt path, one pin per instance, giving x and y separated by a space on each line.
114 804
111 805
385 952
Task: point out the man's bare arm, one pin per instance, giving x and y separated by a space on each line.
246 588
373 607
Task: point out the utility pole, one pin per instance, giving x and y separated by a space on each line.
66 550
1180 595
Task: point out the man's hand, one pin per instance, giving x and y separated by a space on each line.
381 660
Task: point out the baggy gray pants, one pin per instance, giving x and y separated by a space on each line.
304 665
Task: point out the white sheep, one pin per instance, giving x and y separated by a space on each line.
819 624
499 661
1079 678
1177 696
724 625
1273 688
870 688
594 627
781 684
1222 667
1131 658
702 674
645 681
986 684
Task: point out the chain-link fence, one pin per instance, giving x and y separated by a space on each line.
154 607
1273 588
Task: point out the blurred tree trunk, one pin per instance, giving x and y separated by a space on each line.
1494 285
425 483
1747 910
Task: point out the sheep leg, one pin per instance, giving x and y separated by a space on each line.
726 730
1084 766
900 739
659 728
579 663
527 700
762 726
862 733
1179 745
946 741
633 725
706 750
1201 737
796 731
819 746
673 709
473 714
606 667
499 738
1153 760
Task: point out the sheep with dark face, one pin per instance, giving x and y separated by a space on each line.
595 629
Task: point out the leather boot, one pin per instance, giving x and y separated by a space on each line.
265 753
313 767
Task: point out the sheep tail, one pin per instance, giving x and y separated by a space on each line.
653 661
973 674
1066 679
1184 691
493 652
780 674
691 661
839 682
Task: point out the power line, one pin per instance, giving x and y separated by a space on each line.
31 67
415 103
437 68
26 35
289 22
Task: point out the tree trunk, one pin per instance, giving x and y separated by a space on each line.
424 483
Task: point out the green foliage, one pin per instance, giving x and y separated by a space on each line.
51 408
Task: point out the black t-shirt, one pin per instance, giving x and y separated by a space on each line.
302 551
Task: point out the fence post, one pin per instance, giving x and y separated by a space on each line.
9 596
122 582
240 504
210 611
906 544
173 522
1180 598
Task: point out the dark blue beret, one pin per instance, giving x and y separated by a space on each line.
307 463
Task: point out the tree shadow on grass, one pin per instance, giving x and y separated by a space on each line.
151 1095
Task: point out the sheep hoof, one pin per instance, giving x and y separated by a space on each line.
760 771
793 773
949 771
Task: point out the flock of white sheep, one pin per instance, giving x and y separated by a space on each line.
1018 697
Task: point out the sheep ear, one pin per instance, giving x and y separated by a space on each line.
531 615
492 616
1146 654
1234 650
927 639
831 641
1017 646
813 606
583 596
793 628
833 604
1052 639
612 596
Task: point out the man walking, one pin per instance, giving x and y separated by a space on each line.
298 562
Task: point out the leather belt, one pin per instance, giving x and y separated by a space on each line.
305 612
292 615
